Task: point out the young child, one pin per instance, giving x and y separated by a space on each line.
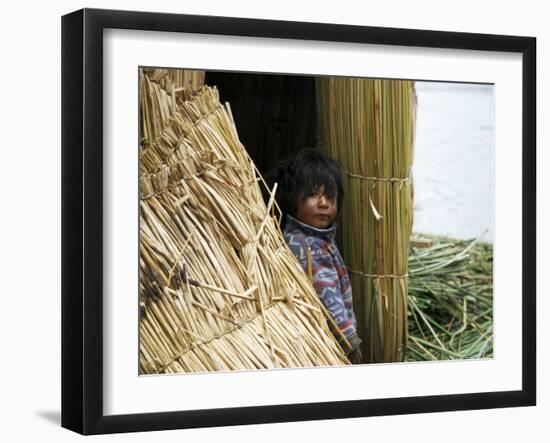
309 194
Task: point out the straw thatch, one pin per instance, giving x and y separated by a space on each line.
186 79
158 91
368 126
219 288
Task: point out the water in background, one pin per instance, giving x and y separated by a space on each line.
453 166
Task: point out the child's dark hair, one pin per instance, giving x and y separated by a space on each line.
302 175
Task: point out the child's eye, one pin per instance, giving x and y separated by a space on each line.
312 193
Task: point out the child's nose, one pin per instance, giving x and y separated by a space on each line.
323 201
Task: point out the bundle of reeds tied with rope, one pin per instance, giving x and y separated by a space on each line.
219 288
368 127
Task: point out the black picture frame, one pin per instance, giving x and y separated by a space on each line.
82 218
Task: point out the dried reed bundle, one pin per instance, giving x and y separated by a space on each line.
160 90
219 288
186 79
368 126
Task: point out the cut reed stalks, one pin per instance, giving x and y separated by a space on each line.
160 91
451 300
220 289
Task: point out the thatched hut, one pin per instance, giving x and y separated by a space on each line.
219 289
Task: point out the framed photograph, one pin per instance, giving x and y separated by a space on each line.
267 221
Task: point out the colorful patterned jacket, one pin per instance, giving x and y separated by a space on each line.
328 271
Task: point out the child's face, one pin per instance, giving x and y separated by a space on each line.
317 209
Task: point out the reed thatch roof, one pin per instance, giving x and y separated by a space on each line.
219 288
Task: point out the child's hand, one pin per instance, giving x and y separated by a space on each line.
356 356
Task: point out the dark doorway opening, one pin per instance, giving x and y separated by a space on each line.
275 114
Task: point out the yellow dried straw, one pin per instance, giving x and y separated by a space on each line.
160 91
220 290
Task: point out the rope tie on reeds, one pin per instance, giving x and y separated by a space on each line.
363 274
200 95
379 179
150 144
209 168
